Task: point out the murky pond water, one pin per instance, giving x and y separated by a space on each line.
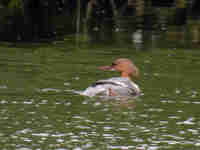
38 111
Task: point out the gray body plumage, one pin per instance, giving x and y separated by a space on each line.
121 86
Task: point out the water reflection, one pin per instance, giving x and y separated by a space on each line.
161 33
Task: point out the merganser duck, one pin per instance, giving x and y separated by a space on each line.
117 86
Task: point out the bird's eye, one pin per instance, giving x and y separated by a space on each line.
114 64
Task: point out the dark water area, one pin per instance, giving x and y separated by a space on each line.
38 111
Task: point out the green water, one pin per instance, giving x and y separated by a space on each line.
38 112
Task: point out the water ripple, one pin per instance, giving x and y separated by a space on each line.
189 121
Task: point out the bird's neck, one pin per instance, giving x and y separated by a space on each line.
125 75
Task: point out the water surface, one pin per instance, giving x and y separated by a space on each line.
38 111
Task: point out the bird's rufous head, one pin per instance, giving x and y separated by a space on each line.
124 66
